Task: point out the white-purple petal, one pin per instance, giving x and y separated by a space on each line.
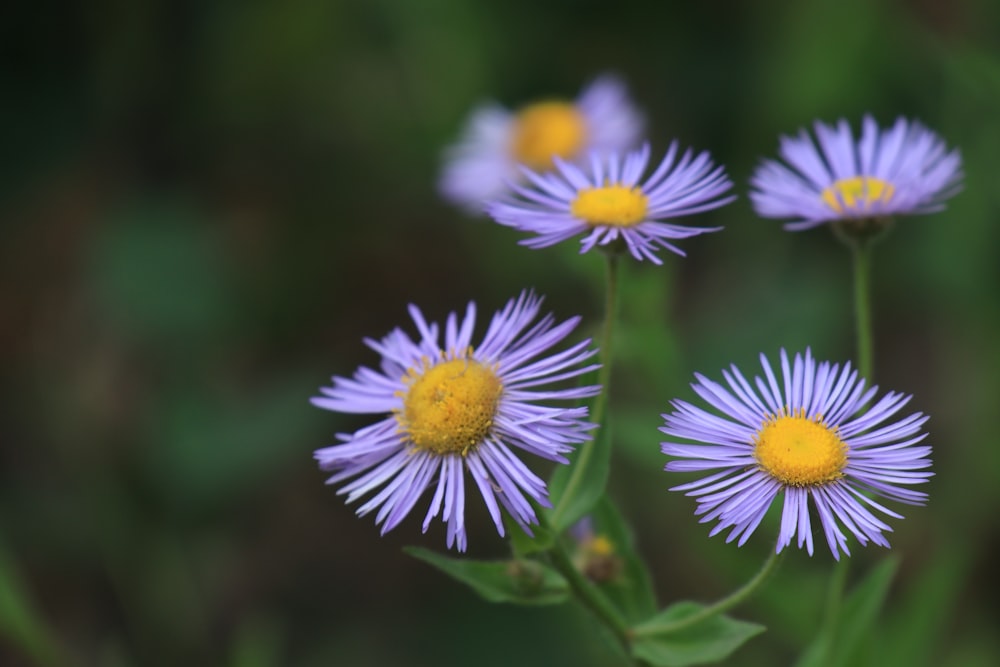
690 186
884 452
381 461
911 159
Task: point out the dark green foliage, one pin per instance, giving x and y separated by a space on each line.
206 206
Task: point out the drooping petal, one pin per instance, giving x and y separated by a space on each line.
901 170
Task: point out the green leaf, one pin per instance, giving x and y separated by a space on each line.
861 610
914 631
576 488
677 644
854 622
520 581
632 590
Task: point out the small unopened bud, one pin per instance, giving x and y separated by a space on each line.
527 575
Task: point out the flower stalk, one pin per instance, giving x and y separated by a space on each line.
719 607
600 406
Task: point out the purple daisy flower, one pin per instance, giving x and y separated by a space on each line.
811 437
905 169
495 141
454 408
607 202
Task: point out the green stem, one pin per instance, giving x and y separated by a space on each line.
610 313
603 379
590 596
722 606
861 255
835 596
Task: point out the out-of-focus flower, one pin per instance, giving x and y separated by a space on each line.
595 555
495 141
902 170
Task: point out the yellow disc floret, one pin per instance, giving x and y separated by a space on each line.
450 406
546 129
800 451
614 205
857 194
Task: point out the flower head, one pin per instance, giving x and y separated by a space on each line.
902 170
811 437
452 409
596 555
495 140
606 201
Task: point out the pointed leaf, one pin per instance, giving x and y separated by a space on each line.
676 645
576 488
861 609
855 620
914 632
520 582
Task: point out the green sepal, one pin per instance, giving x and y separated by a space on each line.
525 582
576 488
854 622
632 590
705 641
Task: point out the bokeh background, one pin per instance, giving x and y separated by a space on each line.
206 205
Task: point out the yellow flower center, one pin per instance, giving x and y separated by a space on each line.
857 194
614 205
546 129
800 451
600 546
449 407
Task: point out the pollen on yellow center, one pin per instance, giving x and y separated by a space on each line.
614 205
800 451
449 407
546 129
857 194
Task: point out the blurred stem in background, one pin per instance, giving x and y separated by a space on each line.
585 459
20 624
589 595
859 237
607 338
827 636
861 257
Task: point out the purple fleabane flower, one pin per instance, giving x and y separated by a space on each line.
902 170
809 437
454 409
608 202
495 141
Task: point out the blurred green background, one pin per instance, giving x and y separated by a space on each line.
206 206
